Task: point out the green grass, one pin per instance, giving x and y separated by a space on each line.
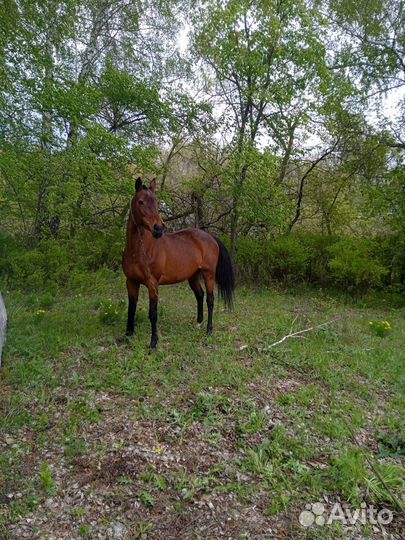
285 426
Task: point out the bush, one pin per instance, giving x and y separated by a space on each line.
58 263
318 246
353 266
288 259
251 263
283 259
390 252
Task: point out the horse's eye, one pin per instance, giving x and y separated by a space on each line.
140 202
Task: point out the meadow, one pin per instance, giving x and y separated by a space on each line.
210 437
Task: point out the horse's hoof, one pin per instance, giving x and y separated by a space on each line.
123 340
199 324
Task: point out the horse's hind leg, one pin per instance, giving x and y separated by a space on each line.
195 284
209 280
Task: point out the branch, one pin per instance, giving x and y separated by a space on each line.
296 334
400 145
302 183
178 216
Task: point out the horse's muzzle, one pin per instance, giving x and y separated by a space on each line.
158 231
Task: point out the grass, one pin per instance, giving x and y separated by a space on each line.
219 420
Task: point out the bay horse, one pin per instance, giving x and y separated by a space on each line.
153 257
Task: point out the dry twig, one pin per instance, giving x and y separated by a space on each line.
299 333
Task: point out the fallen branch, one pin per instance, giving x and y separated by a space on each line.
297 334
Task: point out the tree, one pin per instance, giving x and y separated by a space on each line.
372 50
81 96
264 55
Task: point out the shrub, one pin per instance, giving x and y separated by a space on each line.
353 266
53 263
251 263
283 259
288 259
390 252
318 246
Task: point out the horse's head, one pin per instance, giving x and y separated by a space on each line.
144 208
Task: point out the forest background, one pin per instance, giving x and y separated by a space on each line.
276 125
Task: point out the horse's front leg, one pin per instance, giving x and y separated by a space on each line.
153 288
133 292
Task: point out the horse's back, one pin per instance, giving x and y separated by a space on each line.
193 235
193 240
186 252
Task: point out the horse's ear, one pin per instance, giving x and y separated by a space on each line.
153 185
138 184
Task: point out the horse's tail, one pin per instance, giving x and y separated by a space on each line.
224 275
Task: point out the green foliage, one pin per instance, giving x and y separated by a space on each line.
388 479
288 259
255 422
47 481
392 444
74 446
79 123
147 498
282 259
85 530
57 263
110 312
259 461
262 199
353 266
380 328
348 471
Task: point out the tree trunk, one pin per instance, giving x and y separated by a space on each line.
198 210
235 211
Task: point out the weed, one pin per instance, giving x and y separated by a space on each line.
141 530
147 498
48 483
348 472
380 328
387 479
392 444
258 460
85 530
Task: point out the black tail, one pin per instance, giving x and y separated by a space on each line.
224 275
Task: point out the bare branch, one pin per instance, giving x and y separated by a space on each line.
297 334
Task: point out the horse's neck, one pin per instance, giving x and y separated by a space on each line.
137 241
